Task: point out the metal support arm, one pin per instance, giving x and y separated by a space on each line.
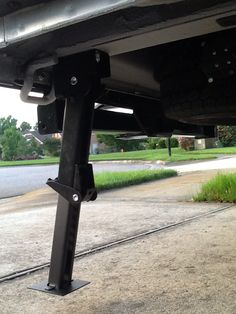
77 79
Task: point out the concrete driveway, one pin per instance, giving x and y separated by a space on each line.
186 268
221 163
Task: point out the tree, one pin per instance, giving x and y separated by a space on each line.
152 143
13 144
25 126
36 147
22 147
160 142
36 126
116 144
227 135
52 147
174 142
6 123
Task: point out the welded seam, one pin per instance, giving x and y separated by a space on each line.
109 245
28 22
43 18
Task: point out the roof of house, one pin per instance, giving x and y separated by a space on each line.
39 137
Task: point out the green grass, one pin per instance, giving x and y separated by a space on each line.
162 154
112 180
221 188
44 161
145 155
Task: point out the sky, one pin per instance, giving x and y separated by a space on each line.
11 104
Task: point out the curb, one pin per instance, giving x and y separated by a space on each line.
156 162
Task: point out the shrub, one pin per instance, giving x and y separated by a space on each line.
174 142
152 143
52 147
161 143
13 144
227 135
186 143
155 142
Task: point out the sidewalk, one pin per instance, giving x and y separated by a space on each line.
186 269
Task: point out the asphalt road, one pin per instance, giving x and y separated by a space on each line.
19 180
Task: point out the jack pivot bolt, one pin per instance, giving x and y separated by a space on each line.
74 81
75 197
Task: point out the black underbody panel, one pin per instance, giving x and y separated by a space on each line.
9 6
97 31
137 69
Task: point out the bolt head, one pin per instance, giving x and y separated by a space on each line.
210 80
98 57
73 81
41 77
214 53
75 197
229 62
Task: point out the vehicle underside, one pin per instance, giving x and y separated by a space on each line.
173 63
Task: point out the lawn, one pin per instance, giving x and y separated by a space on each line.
221 188
111 180
44 161
162 154
145 155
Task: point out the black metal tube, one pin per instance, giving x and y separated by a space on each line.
169 146
75 150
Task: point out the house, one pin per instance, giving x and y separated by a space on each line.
95 146
29 135
205 143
